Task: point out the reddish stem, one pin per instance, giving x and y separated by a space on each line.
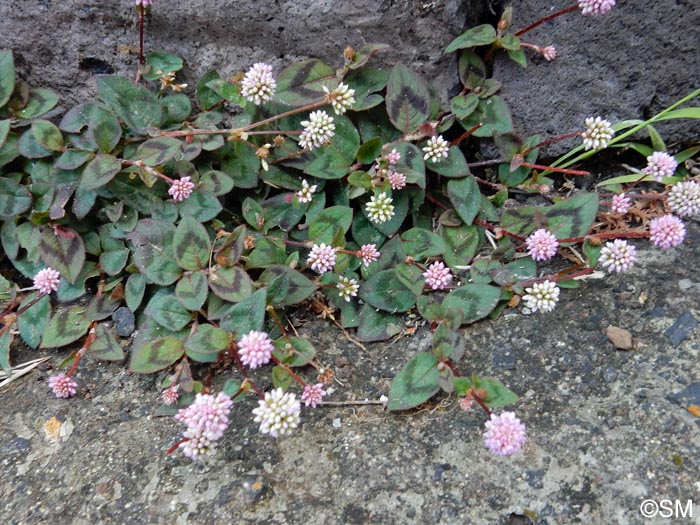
547 19
551 141
466 134
142 16
176 445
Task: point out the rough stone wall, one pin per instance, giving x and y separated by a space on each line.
628 64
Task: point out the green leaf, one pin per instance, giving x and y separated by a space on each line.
216 182
285 285
472 70
415 383
156 355
493 114
228 90
375 325
73 159
421 244
48 135
135 105
247 315
411 164
361 179
362 56
232 248
325 228
496 394
5 342
231 284
462 244
482 35
40 101
159 64
192 290
158 151
206 343
509 42
569 218
206 96
102 306
34 320
65 327
464 105
369 151
407 99
134 290
294 351
518 56
453 166
448 343
476 301
28 147
302 83
200 205
465 196
384 290
191 244
7 77
63 251
105 128
99 171
4 130
178 108
281 378
15 199
114 261
167 311
105 346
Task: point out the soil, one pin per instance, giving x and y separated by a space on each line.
607 429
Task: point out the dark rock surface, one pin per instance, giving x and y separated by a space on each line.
607 429
627 64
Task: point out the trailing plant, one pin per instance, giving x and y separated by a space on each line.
207 213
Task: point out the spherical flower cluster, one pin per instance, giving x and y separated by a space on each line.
397 180
342 98
47 280
659 165
347 288
620 203
505 434
207 420
542 245
258 85
684 198
278 413
542 296
379 208
255 349
321 258
618 256
318 130
666 232
438 276
436 149
306 193
313 395
597 134
549 53
144 3
595 7
63 385
393 157
170 395
368 253
181 189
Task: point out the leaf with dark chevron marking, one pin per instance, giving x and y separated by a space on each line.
407 99
65 253
156 355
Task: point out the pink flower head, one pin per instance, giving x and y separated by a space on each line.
180 189
393 157
549 53
659 165
63 385
207 416
313 395
321 258
255 349
666 232
618 256
144 3
620 204
542 245
170 395
197 444
437 276
684 198
258 84
595 7
505 434
368 253
397 180
47 280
